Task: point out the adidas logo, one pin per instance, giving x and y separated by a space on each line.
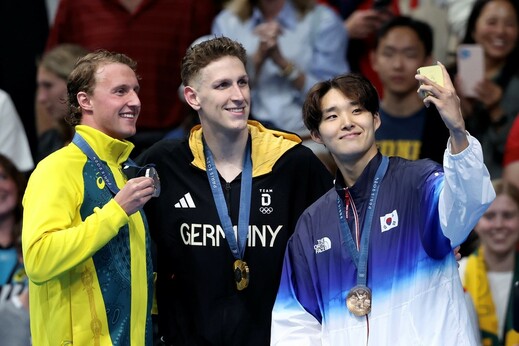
185 202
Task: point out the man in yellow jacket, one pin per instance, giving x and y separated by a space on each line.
85 240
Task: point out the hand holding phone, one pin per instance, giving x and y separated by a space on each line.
471 68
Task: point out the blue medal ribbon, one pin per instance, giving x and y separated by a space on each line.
237 246
360 256
102 167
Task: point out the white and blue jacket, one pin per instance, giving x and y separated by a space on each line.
422 212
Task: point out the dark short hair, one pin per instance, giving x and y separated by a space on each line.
422 30
82 78
352 85
202 54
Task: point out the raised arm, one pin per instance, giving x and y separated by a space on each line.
467 191
447 103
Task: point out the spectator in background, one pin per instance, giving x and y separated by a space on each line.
156 33
494 25
291 45
13 140
511 160
408 129
53 71
362 19
14 296
489 272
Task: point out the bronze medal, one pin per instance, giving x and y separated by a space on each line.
358 300
241 274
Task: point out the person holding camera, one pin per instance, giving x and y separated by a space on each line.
371 261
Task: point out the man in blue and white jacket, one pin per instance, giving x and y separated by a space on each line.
371 262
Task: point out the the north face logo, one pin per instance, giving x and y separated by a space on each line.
323 245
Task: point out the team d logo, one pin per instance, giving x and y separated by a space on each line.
389 221
266 201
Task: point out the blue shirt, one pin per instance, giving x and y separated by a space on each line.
401 136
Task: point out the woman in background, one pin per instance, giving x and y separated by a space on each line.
53 71
14 296
494 25
488 274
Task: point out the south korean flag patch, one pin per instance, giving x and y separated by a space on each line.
389 221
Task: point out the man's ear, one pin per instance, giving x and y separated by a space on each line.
316 136
84 101
191 97
377 120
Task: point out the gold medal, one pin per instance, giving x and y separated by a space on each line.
358 300
241 274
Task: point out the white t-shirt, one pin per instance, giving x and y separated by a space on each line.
500 285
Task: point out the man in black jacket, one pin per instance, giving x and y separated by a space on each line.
231 195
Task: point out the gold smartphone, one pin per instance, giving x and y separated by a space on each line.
434 73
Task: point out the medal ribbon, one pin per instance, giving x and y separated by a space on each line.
106 174
360 256
237 246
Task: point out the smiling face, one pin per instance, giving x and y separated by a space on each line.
496 29
114 105
8 194
220 94
347 129
52 93
498 228
397 57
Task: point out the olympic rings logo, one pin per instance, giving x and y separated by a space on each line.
266 210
